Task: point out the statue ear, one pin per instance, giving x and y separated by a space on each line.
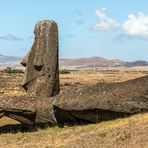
25 61
38 61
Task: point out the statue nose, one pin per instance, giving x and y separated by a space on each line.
23 63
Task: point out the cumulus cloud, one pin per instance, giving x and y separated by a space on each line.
136 25
10 37
105 22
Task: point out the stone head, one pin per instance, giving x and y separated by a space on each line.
41 75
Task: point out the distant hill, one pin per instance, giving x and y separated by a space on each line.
12 61
92 61
136 63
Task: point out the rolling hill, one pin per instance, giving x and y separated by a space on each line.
13 61
92 61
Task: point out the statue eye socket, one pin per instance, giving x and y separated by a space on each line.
38 68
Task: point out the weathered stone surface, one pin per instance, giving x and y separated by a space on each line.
88 105
103 101
128 97
28 110
42 69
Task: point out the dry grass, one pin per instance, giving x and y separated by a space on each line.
6 120
10 84
103 75
130 132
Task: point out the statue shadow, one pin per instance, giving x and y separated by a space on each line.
15 128
23 128
64 119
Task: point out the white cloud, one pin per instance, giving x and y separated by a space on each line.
104 21
136 26
101 13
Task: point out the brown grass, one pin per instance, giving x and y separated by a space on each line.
130 132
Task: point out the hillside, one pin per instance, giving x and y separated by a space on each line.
136 63
92 61
12 61
123 133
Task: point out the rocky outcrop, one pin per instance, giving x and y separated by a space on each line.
42 69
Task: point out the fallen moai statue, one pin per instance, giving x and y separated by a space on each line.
90 104
86 105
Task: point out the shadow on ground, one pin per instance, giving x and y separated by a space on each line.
15 128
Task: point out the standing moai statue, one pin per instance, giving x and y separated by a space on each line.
42 69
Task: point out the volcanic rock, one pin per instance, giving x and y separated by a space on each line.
42 70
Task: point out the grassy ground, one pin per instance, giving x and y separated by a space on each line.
10 83
129 132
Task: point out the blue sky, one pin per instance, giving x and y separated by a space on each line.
107 28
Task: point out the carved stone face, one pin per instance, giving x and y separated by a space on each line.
42 71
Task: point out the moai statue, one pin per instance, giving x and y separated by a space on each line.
42 70
78 105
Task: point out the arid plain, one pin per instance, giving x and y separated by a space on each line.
127 132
